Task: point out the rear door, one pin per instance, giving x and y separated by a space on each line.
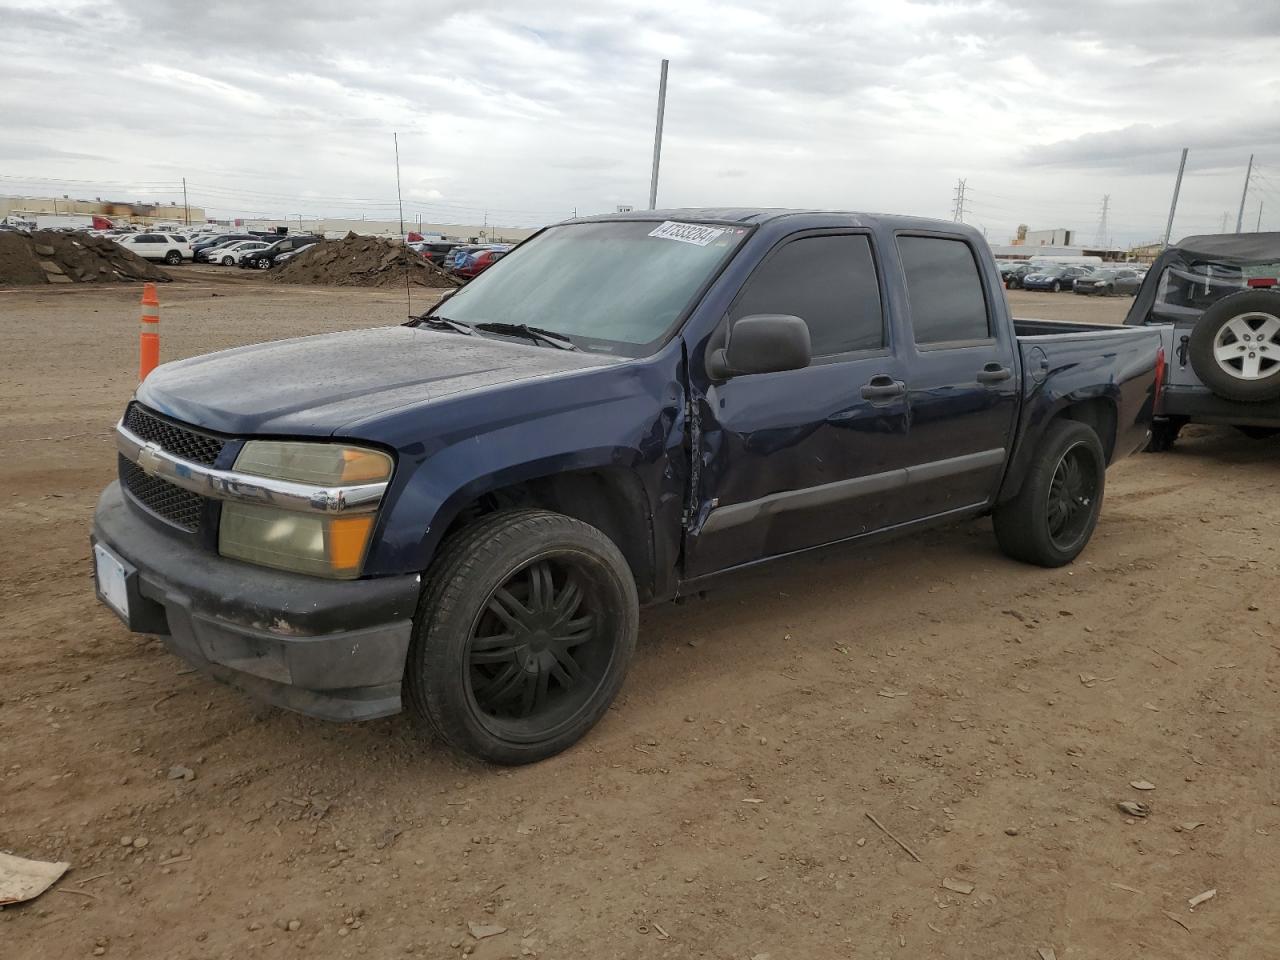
799 458
962 380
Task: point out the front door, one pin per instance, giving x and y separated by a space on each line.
795 459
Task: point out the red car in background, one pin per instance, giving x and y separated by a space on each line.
473 262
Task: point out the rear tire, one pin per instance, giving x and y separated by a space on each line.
527 623
228 261
263 264
173 258
1057 287
1235 346
1164 434
1054 514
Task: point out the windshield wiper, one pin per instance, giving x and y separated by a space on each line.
558 340
443 323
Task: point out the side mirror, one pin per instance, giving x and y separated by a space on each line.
762 343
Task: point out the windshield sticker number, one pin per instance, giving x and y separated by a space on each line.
694 233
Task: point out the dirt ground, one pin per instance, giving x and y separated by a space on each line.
990 715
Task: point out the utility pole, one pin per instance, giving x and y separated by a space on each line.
395 139
657 136
1258 228
186 218
1177 187
1248 174
958 210
1100 238
1225 215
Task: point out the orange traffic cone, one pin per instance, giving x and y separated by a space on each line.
149 338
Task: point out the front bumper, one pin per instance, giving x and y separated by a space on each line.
327 648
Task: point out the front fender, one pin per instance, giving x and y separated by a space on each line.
630 418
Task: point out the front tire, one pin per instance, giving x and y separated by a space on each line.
1053 516
228 261
1057 287
263 264
527 623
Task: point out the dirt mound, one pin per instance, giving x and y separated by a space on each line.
51 256
356 261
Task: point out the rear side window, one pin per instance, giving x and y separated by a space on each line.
944 290
829 283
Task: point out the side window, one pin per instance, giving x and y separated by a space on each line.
944 290
829 283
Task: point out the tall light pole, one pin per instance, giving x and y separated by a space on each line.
1247 175
657 136
1177 187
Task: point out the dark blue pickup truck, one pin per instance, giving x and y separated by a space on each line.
468 510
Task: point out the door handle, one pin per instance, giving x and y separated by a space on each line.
994 373
883 387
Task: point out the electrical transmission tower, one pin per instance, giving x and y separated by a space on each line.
957 209
1100 238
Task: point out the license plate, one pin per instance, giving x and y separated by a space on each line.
111 579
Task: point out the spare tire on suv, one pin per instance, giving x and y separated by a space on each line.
1235 346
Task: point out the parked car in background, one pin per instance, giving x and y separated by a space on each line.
1014 275
290 254
265 258
199 247
1109 281
172 248
434 250
231 254
478 261
1215 300
451 258
464 513
1053 278
1008 267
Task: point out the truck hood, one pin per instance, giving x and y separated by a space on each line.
313 386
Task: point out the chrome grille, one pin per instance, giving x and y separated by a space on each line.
174 438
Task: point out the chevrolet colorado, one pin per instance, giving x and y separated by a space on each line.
467 511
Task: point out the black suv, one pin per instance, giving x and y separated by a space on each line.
265 259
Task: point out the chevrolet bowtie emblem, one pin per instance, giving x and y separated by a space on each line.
149 459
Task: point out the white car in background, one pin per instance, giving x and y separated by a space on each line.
229 254
172 248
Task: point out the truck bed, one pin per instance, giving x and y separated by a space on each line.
1028 327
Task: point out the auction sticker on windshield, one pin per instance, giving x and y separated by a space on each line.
695 233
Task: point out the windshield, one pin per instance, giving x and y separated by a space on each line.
612 286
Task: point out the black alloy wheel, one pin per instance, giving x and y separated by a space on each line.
535 656
1072 491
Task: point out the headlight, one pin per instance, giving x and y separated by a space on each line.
311 543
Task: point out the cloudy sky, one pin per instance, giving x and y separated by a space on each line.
532 110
